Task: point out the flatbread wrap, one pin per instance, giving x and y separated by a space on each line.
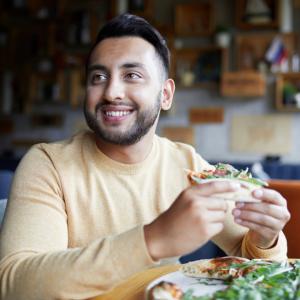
226 172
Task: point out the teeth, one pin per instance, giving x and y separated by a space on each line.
117 113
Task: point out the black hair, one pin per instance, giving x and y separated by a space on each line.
131 25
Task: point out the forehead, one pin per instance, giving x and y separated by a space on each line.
120 50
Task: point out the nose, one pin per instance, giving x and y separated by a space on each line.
114 90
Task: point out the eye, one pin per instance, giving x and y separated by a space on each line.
98 78
133 76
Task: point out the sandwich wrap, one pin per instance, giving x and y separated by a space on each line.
226 172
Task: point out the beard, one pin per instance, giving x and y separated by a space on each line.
144 121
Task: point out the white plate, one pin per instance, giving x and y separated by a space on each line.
186 283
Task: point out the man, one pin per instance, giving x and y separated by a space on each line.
86 213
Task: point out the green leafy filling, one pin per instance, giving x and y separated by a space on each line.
229 172
276 281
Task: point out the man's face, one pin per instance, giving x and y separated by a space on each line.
124 85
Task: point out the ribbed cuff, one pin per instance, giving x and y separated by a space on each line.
277 252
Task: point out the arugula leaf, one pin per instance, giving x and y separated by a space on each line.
228 171
276 281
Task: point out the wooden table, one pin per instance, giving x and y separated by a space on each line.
134 287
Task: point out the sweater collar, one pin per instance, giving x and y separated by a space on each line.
117 166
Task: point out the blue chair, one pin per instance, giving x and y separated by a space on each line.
3 203
6 177
209 250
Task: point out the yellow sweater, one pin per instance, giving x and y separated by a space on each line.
74 223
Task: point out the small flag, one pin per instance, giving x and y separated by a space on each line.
277 52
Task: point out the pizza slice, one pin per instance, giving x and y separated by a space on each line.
216 268
223 172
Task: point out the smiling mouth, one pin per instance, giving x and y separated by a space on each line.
114 114
119 113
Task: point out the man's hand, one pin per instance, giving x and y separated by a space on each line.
193 219
265 219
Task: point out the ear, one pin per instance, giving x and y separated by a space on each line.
167 94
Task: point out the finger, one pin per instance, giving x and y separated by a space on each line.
215 204
258 219
194 198
215 187
271 196
257 227
278 212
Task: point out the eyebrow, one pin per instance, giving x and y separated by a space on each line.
96 67
129 65
133 65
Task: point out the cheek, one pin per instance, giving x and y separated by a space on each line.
93 96
144 97
137 94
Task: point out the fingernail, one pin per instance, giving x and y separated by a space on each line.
239 204
236 212
258 193
238 220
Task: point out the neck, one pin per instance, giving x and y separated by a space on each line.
130 154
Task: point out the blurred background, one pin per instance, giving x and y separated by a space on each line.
236 64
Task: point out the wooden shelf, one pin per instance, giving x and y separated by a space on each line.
287 86
244 22
194 19
58 33
243 84
200 67
251 47
57 37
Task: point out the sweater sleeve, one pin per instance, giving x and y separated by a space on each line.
277 252
35 261
234 240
